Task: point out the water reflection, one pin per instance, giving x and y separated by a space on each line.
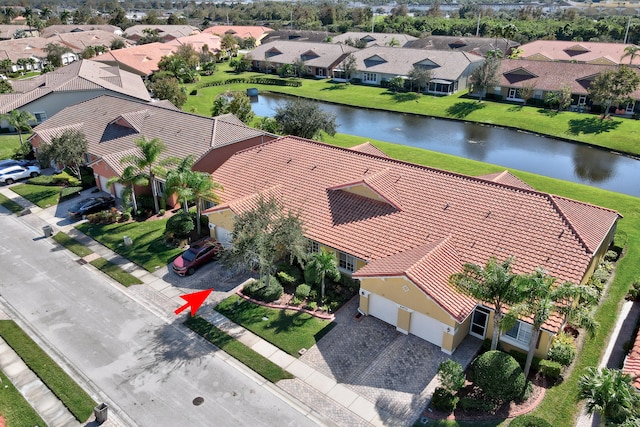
592 168
477 139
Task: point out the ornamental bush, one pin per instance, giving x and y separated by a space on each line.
451 375
258 290
443 400
302 291
498 375
180 224
529 421
550 369
478 405
563 349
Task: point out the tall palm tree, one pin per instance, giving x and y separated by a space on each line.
178 182
203 187
20 120
631 51
543 299
65 15
149 164
129 178
610 393
495 284
325 264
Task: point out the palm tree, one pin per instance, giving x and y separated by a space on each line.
325 264
544 298
610 393
631 51
203 187
65 15
129 178
495 284
20 120
45 13
178 182
148 163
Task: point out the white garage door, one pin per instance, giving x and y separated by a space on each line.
103 184
383 308
119 188
426 328
223 236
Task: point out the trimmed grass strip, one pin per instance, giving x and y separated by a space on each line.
72 244
14 408
288 330
115 272
237 350
79 403
9 204
41 195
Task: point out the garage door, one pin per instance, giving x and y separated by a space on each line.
426 328
103 184
383 308
223 236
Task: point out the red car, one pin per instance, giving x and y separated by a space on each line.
199 253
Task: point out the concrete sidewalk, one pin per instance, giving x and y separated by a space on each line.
346 406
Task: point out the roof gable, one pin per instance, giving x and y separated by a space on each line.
519 74
310 54
377 186
576 49
427 63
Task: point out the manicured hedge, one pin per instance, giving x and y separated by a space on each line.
252 80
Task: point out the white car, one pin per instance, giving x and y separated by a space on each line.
11 174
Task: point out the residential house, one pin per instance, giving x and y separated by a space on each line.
31 49
166 32
546 76
478 45
297 35
45 95
320 58
402 230
573 51
198 42
141 60
70 28
373 39
8 31
450 71
78 41
112 125
242 32
632 362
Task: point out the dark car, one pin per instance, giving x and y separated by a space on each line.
198 254
91 205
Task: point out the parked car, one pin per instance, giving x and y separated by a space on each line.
10 174
12 162
91 205
199 253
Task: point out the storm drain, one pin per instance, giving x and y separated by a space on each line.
198 401
81 261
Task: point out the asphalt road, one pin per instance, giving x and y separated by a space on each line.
149 369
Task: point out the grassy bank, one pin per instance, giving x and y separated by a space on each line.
79 403
9 144
15 410
616 134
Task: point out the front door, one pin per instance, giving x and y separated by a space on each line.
479 322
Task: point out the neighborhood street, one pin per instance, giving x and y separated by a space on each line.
149 370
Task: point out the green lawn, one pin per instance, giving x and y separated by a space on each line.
72 244
237 350
9 204
288 330
41 195
79 403
148 249
115 272
14 408
9 144
617 134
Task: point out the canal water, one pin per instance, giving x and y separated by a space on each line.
505 147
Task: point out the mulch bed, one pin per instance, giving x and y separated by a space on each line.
504 411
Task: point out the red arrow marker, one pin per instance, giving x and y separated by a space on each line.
194 301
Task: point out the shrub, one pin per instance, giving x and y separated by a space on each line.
550 369
65 179
563 349
161 212
444 400
634 291
521 358
258 290
193 92
526 394
302 291
310 275
529 421
126 216
180 225
285 278
312 305
292 270
611 255
479 405
144 201
451 375
498 374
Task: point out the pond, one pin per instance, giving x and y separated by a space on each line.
505 147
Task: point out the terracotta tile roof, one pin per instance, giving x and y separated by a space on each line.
429 267
381 183
369 148
573 51
287 52
546 75
507 178
374 39
166 32
183 133
78 41
7 30
198 41
59 29
142 60
483 218
241 31
632 362
81 75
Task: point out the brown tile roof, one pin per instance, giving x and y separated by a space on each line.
374 39
166 32
632 362
142 60
369 148
478 45
507 178
198 41
287 52
78 41
428 266
7 30
111 126
242 31
483 218
78 76
59 29
546 75
573 51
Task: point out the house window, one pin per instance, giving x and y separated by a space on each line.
630 107
513 93
313 247
582 99
371 77
347 262
519 335
40 117
537 94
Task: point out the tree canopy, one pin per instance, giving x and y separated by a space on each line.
485 76
67 149
304 119
168 88
236 103
614 87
